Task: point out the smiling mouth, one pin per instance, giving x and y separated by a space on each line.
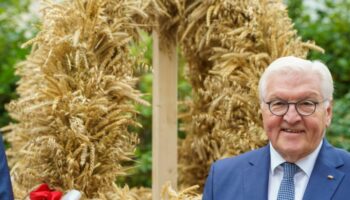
292 130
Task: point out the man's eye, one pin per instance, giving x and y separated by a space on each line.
307 103
278 103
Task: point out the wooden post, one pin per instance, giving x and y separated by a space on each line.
164 124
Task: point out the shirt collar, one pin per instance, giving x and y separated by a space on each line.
306 164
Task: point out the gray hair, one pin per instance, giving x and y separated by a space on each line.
294 64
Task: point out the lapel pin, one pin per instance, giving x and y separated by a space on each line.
330 177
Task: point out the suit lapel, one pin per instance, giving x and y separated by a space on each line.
256 176
325 176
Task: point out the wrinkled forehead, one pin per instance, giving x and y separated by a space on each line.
296 73
294 82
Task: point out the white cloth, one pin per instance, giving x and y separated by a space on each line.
72 195
301 178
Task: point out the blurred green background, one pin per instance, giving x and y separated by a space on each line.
327 22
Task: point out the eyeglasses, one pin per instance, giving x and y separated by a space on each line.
303 107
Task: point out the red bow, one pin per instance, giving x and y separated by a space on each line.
43 192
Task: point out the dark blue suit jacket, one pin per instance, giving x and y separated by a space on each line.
5 181
246 177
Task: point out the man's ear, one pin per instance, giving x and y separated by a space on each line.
329 113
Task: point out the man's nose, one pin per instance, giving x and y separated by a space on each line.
292 116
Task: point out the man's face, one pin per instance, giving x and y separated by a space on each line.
292 135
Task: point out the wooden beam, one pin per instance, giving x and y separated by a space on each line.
164 124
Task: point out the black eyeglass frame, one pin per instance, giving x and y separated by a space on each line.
315 103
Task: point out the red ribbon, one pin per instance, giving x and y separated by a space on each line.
43 192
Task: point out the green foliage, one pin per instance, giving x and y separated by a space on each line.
340 129
328 24
12 36
141 172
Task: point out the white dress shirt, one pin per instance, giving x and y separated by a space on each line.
301 178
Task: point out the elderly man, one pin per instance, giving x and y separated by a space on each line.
298 163
5 182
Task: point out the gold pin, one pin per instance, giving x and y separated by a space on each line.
330 177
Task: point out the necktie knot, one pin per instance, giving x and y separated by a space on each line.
289 169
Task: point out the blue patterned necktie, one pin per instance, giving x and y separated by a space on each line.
287 190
